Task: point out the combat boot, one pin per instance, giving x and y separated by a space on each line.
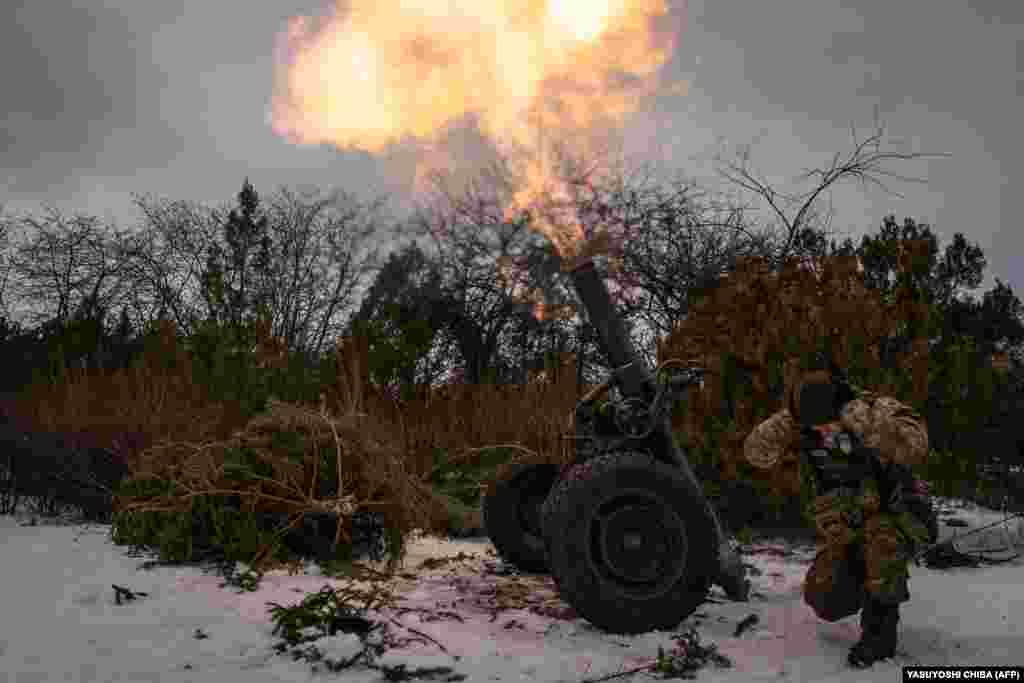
879 623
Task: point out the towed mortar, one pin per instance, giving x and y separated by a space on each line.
636 381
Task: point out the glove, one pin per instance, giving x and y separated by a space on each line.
765 445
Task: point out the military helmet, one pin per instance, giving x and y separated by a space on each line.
818 391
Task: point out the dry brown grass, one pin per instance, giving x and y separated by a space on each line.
381 451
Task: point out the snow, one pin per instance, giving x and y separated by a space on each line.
59 619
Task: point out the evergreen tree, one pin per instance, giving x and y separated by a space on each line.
401 314
235 288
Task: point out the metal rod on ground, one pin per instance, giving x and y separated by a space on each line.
949 541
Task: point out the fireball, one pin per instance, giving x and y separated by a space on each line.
380 72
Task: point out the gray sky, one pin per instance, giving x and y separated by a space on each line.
172 98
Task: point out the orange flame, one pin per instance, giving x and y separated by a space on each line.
387 71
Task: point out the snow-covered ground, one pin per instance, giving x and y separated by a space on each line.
59 620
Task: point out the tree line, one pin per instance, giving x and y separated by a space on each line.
456 299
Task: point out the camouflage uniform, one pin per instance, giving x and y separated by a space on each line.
864 551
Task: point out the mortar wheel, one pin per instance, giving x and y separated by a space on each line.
629 543
511 515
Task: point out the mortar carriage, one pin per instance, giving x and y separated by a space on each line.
625 529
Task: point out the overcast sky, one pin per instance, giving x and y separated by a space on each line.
102 98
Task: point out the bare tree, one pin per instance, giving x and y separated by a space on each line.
165 259
315 233
64 262
5 241
319 259
504 300
800 213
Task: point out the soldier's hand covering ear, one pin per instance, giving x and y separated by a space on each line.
895 430
902 440
764 446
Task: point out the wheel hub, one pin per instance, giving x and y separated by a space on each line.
640 544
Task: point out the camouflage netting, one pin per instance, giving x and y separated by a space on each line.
753 332
288 464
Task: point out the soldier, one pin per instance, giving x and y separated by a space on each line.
866 533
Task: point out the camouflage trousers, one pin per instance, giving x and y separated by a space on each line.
863 552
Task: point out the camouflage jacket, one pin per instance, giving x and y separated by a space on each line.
894 429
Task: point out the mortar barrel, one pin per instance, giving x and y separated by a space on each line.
615 343
612 334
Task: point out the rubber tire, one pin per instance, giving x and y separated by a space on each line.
573 556
514 536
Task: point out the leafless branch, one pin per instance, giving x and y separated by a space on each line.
866 163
